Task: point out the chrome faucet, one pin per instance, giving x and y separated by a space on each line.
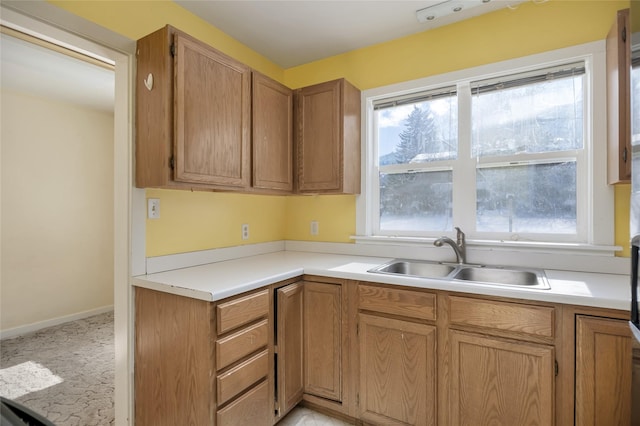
458 246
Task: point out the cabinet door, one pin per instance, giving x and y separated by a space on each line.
319 136
290 374
212 116
272 134
495 381
397 371
603 371
328 138
323 340
619 100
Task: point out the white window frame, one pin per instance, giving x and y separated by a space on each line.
596 227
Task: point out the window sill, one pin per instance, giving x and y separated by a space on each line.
520 246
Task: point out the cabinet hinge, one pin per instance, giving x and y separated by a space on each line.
623 34
358 399
172 162
357 329
624 154
556 367
172 50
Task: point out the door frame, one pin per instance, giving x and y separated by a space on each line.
45 21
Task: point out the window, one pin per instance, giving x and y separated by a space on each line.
504 151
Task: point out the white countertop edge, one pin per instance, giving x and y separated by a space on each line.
218 281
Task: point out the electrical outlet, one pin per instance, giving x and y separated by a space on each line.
153 208
245 231
314 227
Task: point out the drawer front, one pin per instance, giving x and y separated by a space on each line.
538 321
241 311
415 304
252 408
238 345
242 376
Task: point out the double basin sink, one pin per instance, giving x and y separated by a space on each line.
484 274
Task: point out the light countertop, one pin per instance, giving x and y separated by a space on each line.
220 280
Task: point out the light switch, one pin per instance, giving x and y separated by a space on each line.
153 208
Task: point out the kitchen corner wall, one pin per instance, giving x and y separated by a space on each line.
525 29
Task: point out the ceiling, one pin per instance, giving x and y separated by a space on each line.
294 32
288 33
35 70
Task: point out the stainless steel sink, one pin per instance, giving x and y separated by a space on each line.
495 275
415 268
519 277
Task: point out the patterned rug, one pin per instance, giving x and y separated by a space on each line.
65 373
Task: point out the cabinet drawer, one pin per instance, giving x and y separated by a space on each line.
242 376
240 311
235 346
252 408
538 321
415 304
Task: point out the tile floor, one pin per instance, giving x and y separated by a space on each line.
301 416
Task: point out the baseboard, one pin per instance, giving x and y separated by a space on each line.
29 328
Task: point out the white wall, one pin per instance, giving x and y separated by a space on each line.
57 210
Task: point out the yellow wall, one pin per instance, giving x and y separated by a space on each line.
202 220
504 34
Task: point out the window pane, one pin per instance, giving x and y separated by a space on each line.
537 198
416 201
418 132
539 117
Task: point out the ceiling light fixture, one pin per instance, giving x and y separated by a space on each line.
446 8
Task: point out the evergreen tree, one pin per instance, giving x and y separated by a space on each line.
419 135
411 138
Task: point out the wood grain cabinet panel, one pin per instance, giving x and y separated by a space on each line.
500 382
242 310
603 371
290 349
272 140
537 321
328 138
238 345
212 115
397 372
323 340
619 99
240 377
252 408
415 304
173 360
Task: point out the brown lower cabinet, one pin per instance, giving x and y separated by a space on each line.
378 354
289 349
500 380
397 371
603 371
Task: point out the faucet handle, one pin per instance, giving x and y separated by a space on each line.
459 236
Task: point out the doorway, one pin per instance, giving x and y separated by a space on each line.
45 21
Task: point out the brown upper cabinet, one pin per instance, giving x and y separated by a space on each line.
207 121
272 134
619 100
328 138
193 114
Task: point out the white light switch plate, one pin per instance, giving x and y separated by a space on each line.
153 208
